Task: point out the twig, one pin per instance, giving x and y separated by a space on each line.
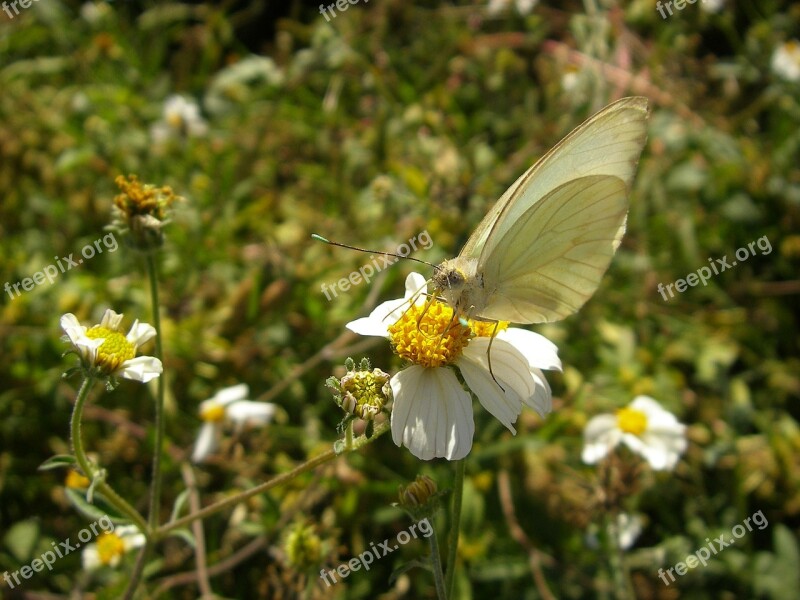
535 558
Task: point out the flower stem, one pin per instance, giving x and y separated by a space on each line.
357 444
155 487
436 565
455 526
88 470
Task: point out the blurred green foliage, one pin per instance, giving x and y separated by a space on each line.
394 118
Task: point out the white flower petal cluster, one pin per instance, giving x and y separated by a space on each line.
644 427
228 406
432 412
105 349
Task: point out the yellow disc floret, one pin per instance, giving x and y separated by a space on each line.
632 421
213 412
487 328
110 548
429 336
115 350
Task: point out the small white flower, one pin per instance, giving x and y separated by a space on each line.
228 406
624 530
644 427
105 350
786 61
181 117
524 7
712 6
111 546
432 413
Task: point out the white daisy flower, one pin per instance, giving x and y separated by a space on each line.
432 412
228 406
181 117
643 426
786 61
105 350
111 546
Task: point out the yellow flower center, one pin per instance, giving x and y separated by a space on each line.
365 392
175 120
114 351
429 336
76 481
487 329
632 421
212 413
110 548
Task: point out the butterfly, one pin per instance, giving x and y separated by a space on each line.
542 249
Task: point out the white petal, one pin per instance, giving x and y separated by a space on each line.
415 283
542 399
663 449
111 320
230 394
133 541
599 437
246 412
388 313
649 406
140 333
206 442
141 368
90 558
540 352
432 413
72 327
512 369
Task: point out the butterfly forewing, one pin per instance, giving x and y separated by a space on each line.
608 143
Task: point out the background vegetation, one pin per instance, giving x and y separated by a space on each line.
397 117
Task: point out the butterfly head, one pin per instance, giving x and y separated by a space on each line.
459 284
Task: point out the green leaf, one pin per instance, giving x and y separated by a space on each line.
58 461
21 539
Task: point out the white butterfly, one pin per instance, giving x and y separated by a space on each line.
541 251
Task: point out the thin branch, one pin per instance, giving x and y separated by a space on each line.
535 558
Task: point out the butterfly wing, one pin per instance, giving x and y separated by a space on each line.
554 255
608 143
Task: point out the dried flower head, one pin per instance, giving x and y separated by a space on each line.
141 211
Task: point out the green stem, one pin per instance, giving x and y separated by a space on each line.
357 444
155 487
88 470
455 526
436 566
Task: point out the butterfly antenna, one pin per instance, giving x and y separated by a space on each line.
319 238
